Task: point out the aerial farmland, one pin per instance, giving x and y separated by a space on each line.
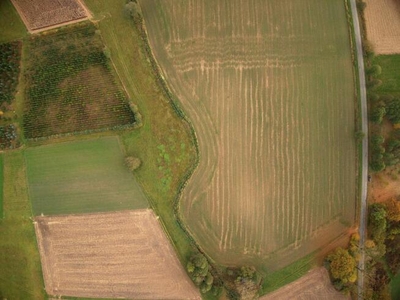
270 92
175 149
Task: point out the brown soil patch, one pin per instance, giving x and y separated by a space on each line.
112 255
384 185
314 285
383 25
39 14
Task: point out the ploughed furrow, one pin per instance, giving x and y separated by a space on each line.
268 87
114 255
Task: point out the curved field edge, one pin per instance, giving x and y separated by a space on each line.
165 144
208 129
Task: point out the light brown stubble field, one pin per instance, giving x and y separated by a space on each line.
383 25
123 254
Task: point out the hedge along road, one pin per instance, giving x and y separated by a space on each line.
364 159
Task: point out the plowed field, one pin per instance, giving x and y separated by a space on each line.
268 86
383 25
110 255
38 14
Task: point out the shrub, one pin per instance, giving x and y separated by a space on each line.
342 266
393 111
377 114
199 271
132 163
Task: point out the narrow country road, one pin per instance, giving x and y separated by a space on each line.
364 160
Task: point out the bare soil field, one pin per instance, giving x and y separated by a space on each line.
38 14
269 88
315 285
110 255
383 25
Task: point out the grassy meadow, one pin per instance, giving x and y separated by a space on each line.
164 143
81 177
269 88
12 27
390 75
20 269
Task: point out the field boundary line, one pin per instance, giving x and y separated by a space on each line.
141 27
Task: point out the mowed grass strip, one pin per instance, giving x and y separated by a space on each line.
12 27
80 177
20 270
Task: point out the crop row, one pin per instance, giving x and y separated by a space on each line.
10 54
71 86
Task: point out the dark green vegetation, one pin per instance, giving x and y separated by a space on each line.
10 55
11 25
20 271
383 249
384 108
71 85
200 272
164 144
81 177
395 287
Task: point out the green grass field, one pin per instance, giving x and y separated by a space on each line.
270 90
390 74
81 177
395 287
164 143
12 27
20 270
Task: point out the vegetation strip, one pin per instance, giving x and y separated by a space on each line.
20 276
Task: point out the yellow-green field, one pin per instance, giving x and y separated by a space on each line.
81 177
269 88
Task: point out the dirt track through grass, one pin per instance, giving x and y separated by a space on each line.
80 177
269 89
122 254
